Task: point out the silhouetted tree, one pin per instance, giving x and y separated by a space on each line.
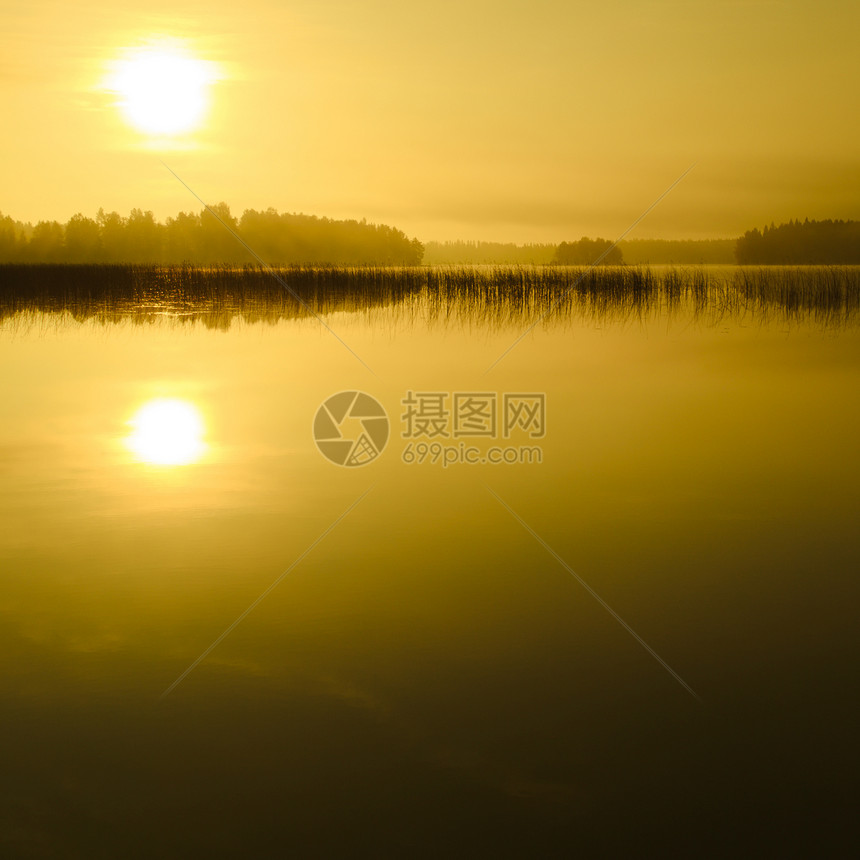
46 244
203 239
216 244
83 240
8 240
291 238
113 235
796 243
587 251
143 237
182 238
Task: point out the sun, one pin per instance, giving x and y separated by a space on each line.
163 89
167 433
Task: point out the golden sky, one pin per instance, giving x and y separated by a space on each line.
511 121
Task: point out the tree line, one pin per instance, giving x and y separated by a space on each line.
806 243
289 238
582 252
586 251
794 243
202 239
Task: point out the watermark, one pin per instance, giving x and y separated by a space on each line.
445 428
437 454
459 414
351 428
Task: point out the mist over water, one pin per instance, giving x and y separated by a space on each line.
430 668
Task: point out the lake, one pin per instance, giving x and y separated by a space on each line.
243 617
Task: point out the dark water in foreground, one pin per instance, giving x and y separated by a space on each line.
429 680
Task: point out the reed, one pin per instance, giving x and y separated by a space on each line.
485 295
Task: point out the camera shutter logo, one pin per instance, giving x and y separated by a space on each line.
351 428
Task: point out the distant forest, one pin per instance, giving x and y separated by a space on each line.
581 252
794 243
200 239
587 251
287 239
807 243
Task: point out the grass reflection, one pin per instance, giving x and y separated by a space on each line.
484 295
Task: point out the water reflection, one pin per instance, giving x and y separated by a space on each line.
827 296
167 432
428 654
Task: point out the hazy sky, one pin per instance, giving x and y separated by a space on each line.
513 121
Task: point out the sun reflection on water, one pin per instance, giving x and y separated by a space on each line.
167 432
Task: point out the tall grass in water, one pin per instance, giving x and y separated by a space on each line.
213 295
708 294
514 295
826 294
472 295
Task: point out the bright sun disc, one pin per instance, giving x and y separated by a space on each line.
163 91
167 433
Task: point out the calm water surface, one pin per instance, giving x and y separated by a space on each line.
429 679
